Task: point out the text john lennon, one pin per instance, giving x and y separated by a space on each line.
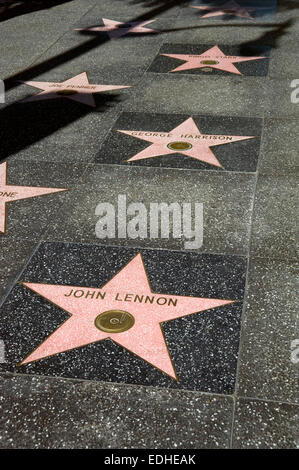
158 220
122 297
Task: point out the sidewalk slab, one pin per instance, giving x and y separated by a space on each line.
266 370
273 227
227 201
13 256
265 425
65 414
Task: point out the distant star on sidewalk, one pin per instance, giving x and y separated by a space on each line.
228 8
212 58
76 88
116 29
10 193
124 310
185 139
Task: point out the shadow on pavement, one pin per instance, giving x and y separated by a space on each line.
11 8
32 123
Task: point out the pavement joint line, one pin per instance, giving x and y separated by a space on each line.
19 274
143 248
197 394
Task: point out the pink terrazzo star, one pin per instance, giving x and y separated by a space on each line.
228 8
212 58
116 29
9 193
76 88
185 139
130 291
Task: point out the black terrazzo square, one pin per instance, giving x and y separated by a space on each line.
202 347
224 153
207 60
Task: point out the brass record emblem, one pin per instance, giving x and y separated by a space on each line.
179 146
114 321
209 62
66 92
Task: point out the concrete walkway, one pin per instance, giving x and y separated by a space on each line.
176 105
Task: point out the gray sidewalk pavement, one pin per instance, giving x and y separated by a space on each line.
222 373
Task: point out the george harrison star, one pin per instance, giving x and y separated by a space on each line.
116 29
125 310
228 8
9 193
185 139
76 88
213 58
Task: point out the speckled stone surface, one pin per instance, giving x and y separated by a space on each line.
204 356
226 197
163 64
188 94
268 331
279 152
273 228
239 156
52 413
265 425
13 256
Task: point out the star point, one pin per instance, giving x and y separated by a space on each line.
127 291
10 193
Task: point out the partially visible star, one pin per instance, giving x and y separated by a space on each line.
213 58
185 139
228 8
9 193
76 88
128 291
116 29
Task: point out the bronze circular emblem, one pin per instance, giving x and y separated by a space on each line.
179 146
114 321
209 62
66 92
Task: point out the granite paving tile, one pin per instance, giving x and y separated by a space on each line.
13 257
64 414
232 96
266 369
265 425
227 206
273 227
279 149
